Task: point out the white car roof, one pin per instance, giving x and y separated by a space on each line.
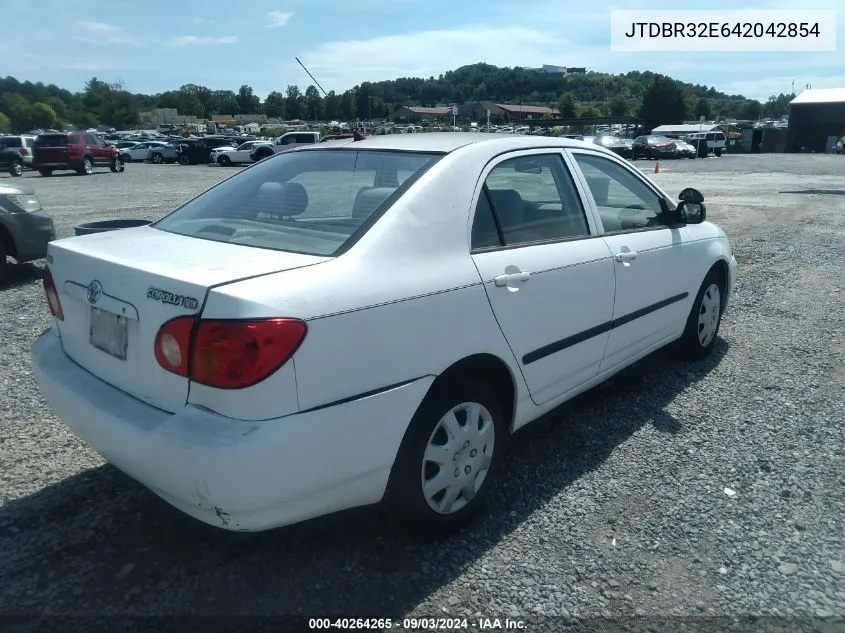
450 141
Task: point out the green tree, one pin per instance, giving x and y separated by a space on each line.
752 110
590 112
702 108
43 115
293 102
274 105
566 105
5 123
347 105
224 102
331 106
663 102
313 103
248 103
619 106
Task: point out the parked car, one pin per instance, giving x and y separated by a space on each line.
140 151
419 346
11 161
25 227
78 151
236 156
285 141
23 144
198 151
165 153
655 147
708 142
685 150
619 146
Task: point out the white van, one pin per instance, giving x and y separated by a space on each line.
716 142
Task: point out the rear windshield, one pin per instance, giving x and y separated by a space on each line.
11 141
311 201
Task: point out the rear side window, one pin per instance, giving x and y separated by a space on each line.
74 139
51 140
11 141
312 202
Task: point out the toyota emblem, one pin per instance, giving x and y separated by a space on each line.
95 291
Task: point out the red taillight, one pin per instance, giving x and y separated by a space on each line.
24 151
52 295
228 354
173 344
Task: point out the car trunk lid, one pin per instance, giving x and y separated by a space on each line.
118 288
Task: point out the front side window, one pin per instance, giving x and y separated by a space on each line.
311 201
624 201
528 199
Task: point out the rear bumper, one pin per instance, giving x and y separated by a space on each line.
243 476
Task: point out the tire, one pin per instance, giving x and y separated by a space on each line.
126 158
705 317
16 168
262 155
4 262
463 465
117 165
87 167
156 159
184 160
718 152
224 161
46 172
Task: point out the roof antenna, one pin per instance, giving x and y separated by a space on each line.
356 135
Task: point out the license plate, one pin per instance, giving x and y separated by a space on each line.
109 332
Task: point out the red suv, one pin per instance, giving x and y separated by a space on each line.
79 151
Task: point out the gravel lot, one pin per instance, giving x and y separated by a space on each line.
614 505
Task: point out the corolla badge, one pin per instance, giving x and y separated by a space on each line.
95 291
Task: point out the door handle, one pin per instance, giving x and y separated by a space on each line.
626 256
504 280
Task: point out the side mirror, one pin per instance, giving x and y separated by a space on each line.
691 195
691 212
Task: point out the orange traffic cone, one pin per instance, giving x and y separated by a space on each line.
657 167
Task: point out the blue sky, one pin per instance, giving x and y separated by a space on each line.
156 45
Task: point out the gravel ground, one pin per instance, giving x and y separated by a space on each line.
616 505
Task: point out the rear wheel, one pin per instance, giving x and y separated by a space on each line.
46 172
184 160
718 152
87 167
449 458
16 168
117 165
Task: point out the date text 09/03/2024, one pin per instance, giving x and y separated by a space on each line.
415 624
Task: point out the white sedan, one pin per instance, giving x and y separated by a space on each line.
367 321
226 156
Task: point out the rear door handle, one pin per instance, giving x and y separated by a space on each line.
509 278
626 256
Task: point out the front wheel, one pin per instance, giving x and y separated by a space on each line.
449 458
16 168
224 161
704 319
117 165
157 159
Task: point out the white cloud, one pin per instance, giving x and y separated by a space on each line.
276 19
100 33
99 27
195 40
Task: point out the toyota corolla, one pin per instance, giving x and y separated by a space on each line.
369 321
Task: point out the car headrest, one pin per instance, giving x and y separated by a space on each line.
508 205
281 200
369 199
